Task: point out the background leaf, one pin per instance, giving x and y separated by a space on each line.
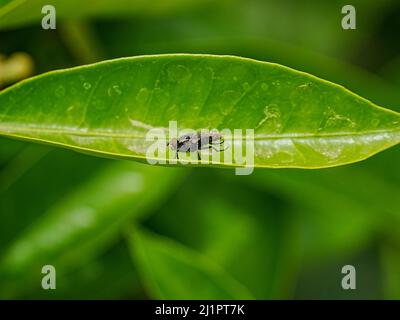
114 267
14 13
261 248
79 227
171 271
391 264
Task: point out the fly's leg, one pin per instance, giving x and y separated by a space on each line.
211 145
218 150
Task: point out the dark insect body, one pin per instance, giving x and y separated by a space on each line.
197 141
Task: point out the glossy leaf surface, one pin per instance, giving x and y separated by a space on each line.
108 108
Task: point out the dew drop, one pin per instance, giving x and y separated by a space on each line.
334 120
70 109
272 118
305 85
246 86
264 86
375 122
87 85
272 112
142 95
224 112
114 90
60 91
230 97
178 73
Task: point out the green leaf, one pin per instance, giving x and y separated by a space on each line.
107 108
15 13
391 264
9 149
31 174
119 280
322 208
85 222
226 229
173 271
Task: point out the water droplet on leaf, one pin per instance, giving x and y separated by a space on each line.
246 86
60 91
114 90
142 95
87 85
178 73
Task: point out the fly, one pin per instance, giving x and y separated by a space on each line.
197 141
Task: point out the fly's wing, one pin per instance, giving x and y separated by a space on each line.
194 143
188 143
204 141
185 147
213 138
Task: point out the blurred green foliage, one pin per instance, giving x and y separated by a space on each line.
115 229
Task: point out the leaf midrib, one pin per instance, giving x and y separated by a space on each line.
107 134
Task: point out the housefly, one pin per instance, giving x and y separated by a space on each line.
197 141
